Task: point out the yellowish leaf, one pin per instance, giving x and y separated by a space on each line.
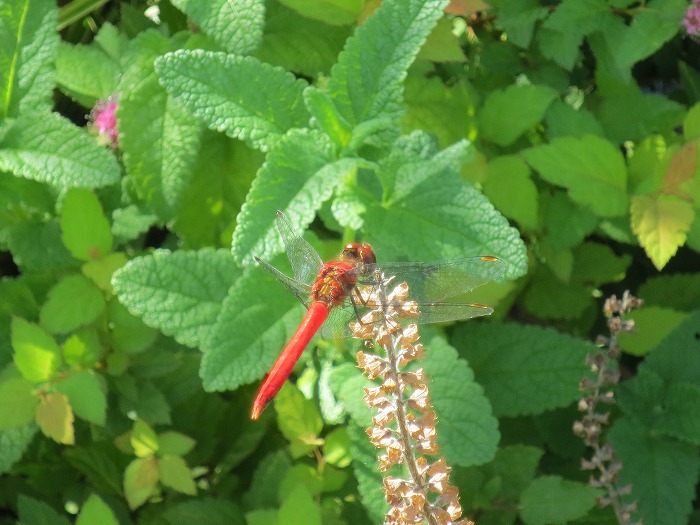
140 480
661 223
54 416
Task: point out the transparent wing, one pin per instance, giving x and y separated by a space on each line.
305 261
300 290
432 282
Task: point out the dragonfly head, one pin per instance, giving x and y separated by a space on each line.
358 254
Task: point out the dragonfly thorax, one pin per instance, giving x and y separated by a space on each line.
334 282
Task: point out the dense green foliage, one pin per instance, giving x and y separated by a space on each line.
562 137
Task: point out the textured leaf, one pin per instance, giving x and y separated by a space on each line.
13 444
18 403
467 431
37 355
267 478
298 176
236 26
140 479
159 137
549 298
175 473
84 228
55 418
260 327
651 325
590 168
48 148
73 302
333 12
677 291
663 472
205 510
299 508
95 510
519 18
217 88
661 222
676 359
27 53
367 80
512 191
566 224
37 512
85 395
552 499
86 72
300 44
298 420
178 293
507 360
429 213
508 113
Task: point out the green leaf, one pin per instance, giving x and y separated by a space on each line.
672 360
511 190
236 27
510 112
83 348
336 449
268 476
129 334
100 271
27 51
596 264
13 444
260 326
301 475
507 360
298 176
86 72
327 116
369 478
467 430
663 472
84 228
18 402
142 399
690 78
299 508
367 81
210 204
55 418
552 499
35 512
590 168
332 12
47 148
446 111
86 396
651 325
299 44
174 443
205 510
661 223
677 291
140 481
154 288
652 113
175 473
37 355
73 302
562 120
159 137
430 213
101 463
549 298
298 420
130 222
216 87
519 18
95 510
566 224
143 439
37 246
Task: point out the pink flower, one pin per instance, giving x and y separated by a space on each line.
692 18
103 119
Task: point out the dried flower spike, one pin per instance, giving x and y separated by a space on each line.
404 425
603 365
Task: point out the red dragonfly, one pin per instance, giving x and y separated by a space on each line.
330 294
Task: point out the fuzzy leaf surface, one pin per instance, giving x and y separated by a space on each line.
218 88
525 370
178 293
